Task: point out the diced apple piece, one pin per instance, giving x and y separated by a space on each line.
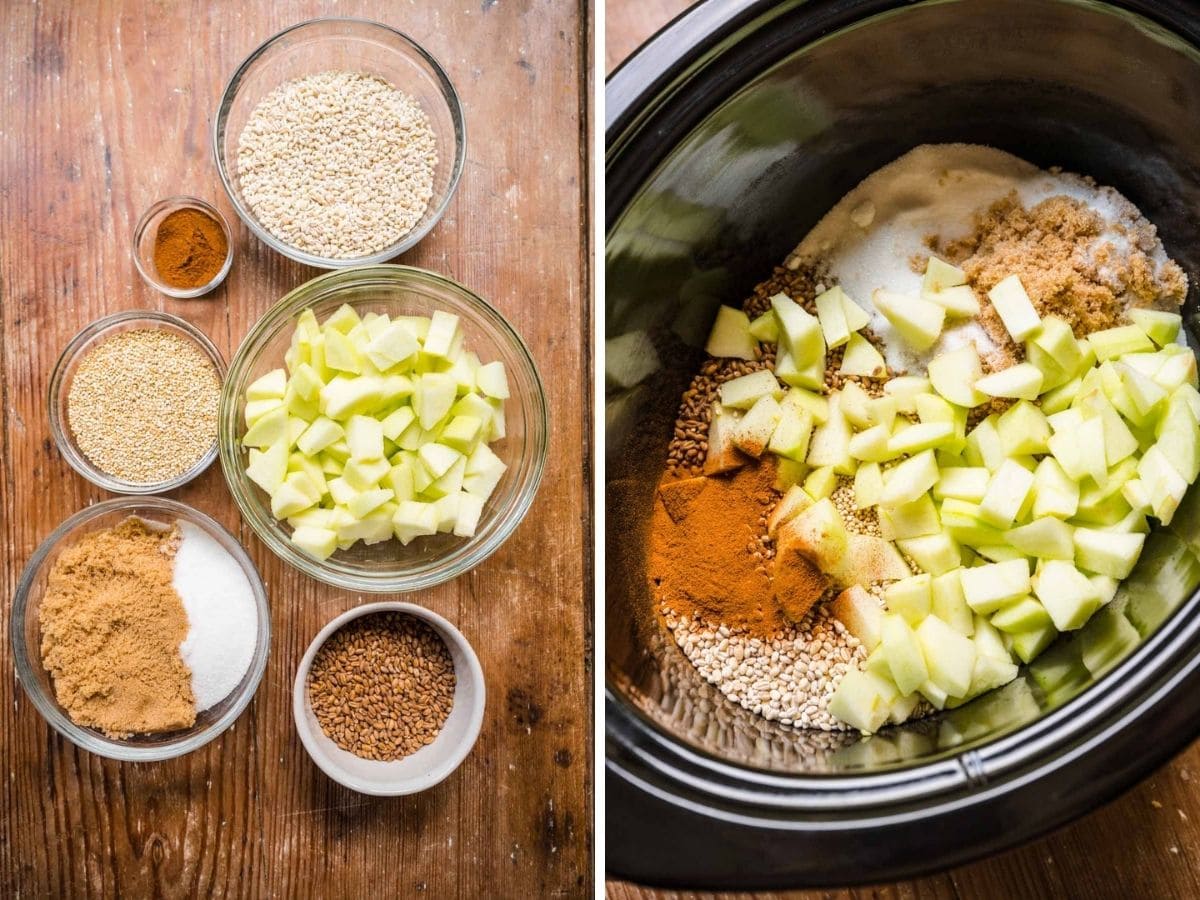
345 396
909 480
365 474
1161 327
984 446
832 316
483 472
1146 394
821 483
1114 342
1028 644
746 390
730 336
868 485
364 434
857 318
1023 430
268 387
1163 484
1057 341
1014 307
921 436
910 597
855 405
902 649
919 322
869 559
340 352
366 502
990 673
268 468
964 483
790 505
268 429
414 519
818 533
1006 494
290 498
723 454
1178 370
393 345
949 655
443 329
811 375
1179 439
909 520
857 702
905 389
396 422
492 380
1045 538
256 409
954 375
1052 373
765 328
988 587
799 331
1025 614
940 275
470 508
862 359
1106 552
753 431
462 433
872 445
948 603
1068 595
1020 382
830 444
937 553
860 612
438 458
316 542
435 394
816 404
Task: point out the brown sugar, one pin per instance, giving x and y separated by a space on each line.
1069 269
707 562
111 627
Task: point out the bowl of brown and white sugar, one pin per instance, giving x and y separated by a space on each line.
388 699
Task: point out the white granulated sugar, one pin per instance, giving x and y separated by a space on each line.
869 238
222 616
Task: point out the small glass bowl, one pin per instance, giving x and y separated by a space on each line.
143 245
395 290
428 766
346 44
60 388
25 634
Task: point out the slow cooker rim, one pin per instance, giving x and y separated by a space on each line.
635 98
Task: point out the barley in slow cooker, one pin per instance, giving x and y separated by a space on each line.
337 164
382 686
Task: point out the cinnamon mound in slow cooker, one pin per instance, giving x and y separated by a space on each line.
111 626
706 559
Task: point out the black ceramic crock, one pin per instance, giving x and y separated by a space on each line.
728 135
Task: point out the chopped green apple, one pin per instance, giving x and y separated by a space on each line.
1023 429
855 405
414 519
918 518
861 613
794 501
268 429
902 650
940 275
1106 552
765 328
730 336
364 435
746 390
954 375
1114 342
792 434
984 446
910 597
989 587
1014 307
857 318
937 554
1068 595
818 533
922 436
1045 538
868 485
1006 494
949 655
948 603
858 703
830 444
862 359
963 483
919 322
1161 327
910 479
871 445
1020 382
753 431
316 542
1023 614
905 389
800 331
832 316
821 483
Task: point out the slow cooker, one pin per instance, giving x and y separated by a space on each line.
728 136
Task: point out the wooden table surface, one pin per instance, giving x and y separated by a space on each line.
1145 844
106 110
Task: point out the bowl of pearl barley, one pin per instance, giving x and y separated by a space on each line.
340 142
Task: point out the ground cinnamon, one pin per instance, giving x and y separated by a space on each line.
111 626
704 536
190 247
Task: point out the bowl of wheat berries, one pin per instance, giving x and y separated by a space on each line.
389 699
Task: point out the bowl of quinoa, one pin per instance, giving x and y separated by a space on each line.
340 142
133 402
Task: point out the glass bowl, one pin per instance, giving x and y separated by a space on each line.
60 388
426 767
143 245
395 290
25 634
345 44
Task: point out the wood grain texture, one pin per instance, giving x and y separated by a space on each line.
106 107
1145 844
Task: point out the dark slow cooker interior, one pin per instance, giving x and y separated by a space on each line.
1096 91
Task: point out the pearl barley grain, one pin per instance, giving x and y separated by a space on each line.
337 164
142 405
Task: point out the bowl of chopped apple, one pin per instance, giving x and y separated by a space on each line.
383 429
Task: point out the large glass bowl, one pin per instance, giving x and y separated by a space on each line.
394 290
25 632
356 45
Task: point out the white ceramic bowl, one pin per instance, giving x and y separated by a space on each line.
429 765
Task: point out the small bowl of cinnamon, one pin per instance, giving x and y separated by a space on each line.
182 247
